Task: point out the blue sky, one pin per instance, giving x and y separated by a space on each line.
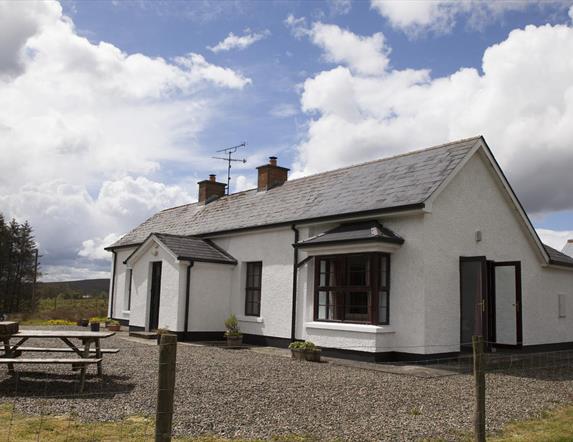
119 106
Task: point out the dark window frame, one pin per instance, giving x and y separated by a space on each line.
253 288
375 287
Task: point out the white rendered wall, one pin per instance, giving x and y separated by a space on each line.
274 249
209 296
405 333
119 286
171 304
475 201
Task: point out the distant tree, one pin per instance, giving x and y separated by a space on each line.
17 258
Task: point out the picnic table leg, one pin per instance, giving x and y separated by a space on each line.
87 344
98 356
8 354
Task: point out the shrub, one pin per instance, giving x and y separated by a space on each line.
60 322
303 345
98 319
232 326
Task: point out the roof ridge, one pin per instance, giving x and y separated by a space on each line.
405 154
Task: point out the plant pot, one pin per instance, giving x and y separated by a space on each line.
234 341
114 327
306 355
94 326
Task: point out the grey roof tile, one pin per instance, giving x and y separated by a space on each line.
557 257
354 232
376 185
195 248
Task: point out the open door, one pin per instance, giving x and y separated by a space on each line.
473 299
506 301
155 293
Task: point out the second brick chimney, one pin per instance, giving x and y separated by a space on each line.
271 175
210 189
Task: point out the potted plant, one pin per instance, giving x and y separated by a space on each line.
304 351
83 322
233 334
94 324
113 325
160 332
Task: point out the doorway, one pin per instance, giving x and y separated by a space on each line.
490 302
155 293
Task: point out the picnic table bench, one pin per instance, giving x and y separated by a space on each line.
87 356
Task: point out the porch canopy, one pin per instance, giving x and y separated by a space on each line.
366 236
183 248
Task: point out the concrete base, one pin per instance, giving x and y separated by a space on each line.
143 334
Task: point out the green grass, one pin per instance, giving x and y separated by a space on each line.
63 309
19 428
554 426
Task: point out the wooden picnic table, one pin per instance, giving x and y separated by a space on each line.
13 351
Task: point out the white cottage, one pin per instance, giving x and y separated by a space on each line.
395 258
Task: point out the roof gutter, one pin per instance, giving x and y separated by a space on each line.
318 219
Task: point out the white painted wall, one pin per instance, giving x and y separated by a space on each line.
209 296
475 201
274 248
171 305
119 287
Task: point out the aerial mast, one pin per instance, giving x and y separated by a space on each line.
229 151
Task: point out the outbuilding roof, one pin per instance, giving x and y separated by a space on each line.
558 258
188 248
400 182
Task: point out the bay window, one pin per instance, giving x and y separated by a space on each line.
352 288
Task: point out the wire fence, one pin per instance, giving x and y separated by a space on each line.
260 393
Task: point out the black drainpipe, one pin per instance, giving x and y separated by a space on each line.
112 284
294 283
185 329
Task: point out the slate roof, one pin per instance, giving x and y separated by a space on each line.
557 257
188 248
390 183
354 232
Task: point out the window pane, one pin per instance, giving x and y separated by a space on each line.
253 289
384 271
356 308
358 270
383 307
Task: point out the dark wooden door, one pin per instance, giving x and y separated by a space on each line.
155 295
473 299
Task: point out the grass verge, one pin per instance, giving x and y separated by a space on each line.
554 426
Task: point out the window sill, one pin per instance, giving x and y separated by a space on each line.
360 328
257 319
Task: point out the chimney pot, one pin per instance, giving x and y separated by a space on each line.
213 178
273 161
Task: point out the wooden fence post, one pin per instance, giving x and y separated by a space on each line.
479 377
165 387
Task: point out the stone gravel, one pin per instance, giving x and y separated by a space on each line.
249 394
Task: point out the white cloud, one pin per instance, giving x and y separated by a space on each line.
233 41
83 126
524 112
366 55
284 110
555 238
439 16
244 183
94 249
339 7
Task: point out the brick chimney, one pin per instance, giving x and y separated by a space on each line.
271 175
210 190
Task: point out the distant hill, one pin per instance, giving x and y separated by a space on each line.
84 287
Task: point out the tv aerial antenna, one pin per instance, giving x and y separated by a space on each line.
229 151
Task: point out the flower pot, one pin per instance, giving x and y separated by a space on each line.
94 326
234 341
306 355
114 327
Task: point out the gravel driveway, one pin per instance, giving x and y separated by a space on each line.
248 394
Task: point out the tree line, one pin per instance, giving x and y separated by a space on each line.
17 266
